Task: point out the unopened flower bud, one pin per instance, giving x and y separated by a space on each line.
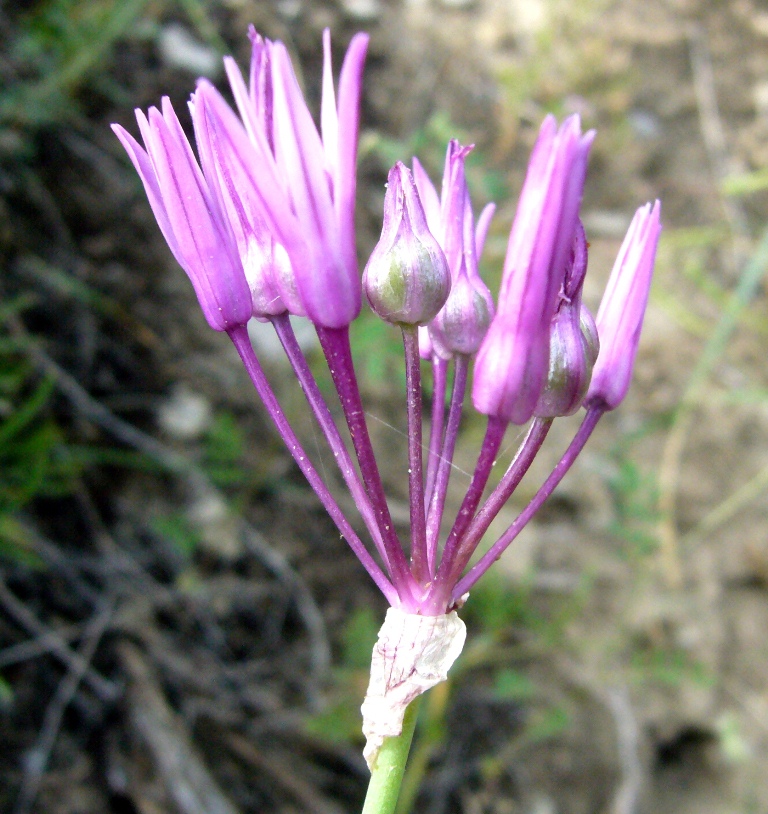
621 312
406 279
573 340
463 321
569 367
461 325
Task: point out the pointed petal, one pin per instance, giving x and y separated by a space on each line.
350 88
533 273
329 117
329 285
144 168
299 152
483 224
245 108
429 198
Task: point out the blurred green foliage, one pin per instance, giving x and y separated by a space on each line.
429 144
58 44
377 350
635 504
340 720
668 666
34 458
179 531
224 444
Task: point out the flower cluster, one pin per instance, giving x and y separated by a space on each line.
262 221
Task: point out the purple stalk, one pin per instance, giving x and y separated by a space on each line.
437 500
317 403
494 435
497 549
241 341
439 381
419 556
457 556
338 354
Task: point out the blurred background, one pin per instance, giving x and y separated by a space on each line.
181 628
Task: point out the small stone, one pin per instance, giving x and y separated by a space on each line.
645 124
606 223
217 526
185 415
267 345
760 99
362 10
289 9
179 49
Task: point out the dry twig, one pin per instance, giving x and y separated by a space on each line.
282 775
185 776
36 760
105 689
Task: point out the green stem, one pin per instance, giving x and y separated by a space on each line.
387 774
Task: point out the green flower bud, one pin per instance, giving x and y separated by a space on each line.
406 280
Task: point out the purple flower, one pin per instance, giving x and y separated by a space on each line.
621 312
406 279
513 361
189 216
313 174
231 163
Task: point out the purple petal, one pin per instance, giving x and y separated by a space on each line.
350 87
329 285
620 316
146 172
205 248
483 224
430 200
329 117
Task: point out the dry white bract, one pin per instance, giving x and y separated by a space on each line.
412 654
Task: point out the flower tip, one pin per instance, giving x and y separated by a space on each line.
549 121
141 117
203 84
360 41
572 122
166 106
